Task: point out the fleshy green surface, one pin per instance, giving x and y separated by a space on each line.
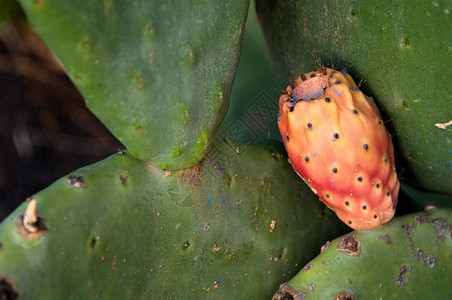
402 51
409 259
158 74
137 232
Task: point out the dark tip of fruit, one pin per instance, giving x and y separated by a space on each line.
377 185
334 170
359 178
306 159
309 125
347 203
355 112
327 100
335 135
303 77
292 108
364 206
365 146
312 75
287 137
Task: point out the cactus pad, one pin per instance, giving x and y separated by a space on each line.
120 228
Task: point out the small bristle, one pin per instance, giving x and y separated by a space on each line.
306 159
327 100
347 203
309 125
303 77
365 147
334 170
291 108
355 112
359 178
335 135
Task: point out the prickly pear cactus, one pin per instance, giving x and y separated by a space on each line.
402 52
160 90
225 228
337 142
407 259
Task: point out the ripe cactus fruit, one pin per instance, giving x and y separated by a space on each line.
337 142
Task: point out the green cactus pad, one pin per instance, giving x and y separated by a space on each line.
158 74
402 52
232 227
410 258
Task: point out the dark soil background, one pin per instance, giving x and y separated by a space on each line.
46 131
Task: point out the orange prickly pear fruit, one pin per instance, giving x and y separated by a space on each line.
338 144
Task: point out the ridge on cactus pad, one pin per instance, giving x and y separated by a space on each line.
338 144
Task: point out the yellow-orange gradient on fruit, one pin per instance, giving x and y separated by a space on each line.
337 142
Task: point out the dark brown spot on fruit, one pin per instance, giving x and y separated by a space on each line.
327 195
292 108
312 75
365 147
335 135
388 193
385 159
287 137
375 216
359 178
350 245
303 77
334 170
306 159
377 185
349 222
327 100
355 112
347 203
364 206
309 125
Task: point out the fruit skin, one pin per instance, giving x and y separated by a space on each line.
409 258
337 142
228 228
402 49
